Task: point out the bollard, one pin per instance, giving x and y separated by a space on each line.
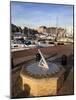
38 57
64 60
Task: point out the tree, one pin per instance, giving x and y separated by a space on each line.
20 29
25 31
14 28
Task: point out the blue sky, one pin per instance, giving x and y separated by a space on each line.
34 15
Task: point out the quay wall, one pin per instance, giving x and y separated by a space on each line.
26 55
47 51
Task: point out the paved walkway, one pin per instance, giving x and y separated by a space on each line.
68 86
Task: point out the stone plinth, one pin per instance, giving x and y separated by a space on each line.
43 86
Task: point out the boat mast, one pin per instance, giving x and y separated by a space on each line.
56 29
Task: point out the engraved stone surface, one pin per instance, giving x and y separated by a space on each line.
35 70
42 67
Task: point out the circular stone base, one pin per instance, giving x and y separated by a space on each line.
35 70
41 85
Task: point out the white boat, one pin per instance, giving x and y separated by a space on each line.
17 45
45 44
32 46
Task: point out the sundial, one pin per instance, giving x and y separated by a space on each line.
42 68
43 77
